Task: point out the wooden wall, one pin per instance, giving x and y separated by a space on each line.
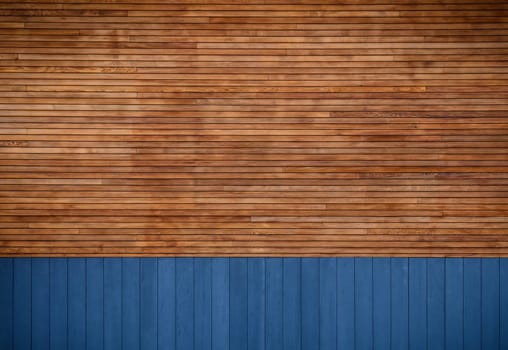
254 127
256 303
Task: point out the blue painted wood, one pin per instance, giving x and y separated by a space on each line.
417 304
40 304
22 308
258 303
310 303
220 304
490 304
6 303
435 304
363 303
256 293
274 339
346 303
184 303
130 303
327 303
400 303
166 308
454 304
202 304
472 304
238 304
76 316
113 304
503 309
292 319
58 303
94 303
381 308
148 304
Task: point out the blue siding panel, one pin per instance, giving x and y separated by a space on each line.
346 303
327 304
363 303
58 304
454 304
6 303
148 304
310 303
184 303
274 309
503 309
40 304
490 304
220 304
435 304
254 303
112 304
400 303
381 307
22 308
76 326
417 304
238 304
202 304
130 303
292 304
166 294
472 304
94 304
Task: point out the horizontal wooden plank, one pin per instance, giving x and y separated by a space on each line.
254 128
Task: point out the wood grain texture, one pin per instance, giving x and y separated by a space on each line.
254 127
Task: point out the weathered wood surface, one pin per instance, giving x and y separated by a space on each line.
254 127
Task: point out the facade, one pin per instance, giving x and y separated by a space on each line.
254 174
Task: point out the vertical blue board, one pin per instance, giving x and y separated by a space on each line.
130 303
6 303
435 304
238 303
400 304
381 308
94 303
328 304
112 304
292 310
503 309
220 304
490 303
148 301
22 308
472 304
40 304
346 303
166 293
274 310
256 304
363 303
58 303
310 303
417 303
203 304
454 304
76 316
184 303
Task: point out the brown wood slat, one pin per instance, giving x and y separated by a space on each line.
254 128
